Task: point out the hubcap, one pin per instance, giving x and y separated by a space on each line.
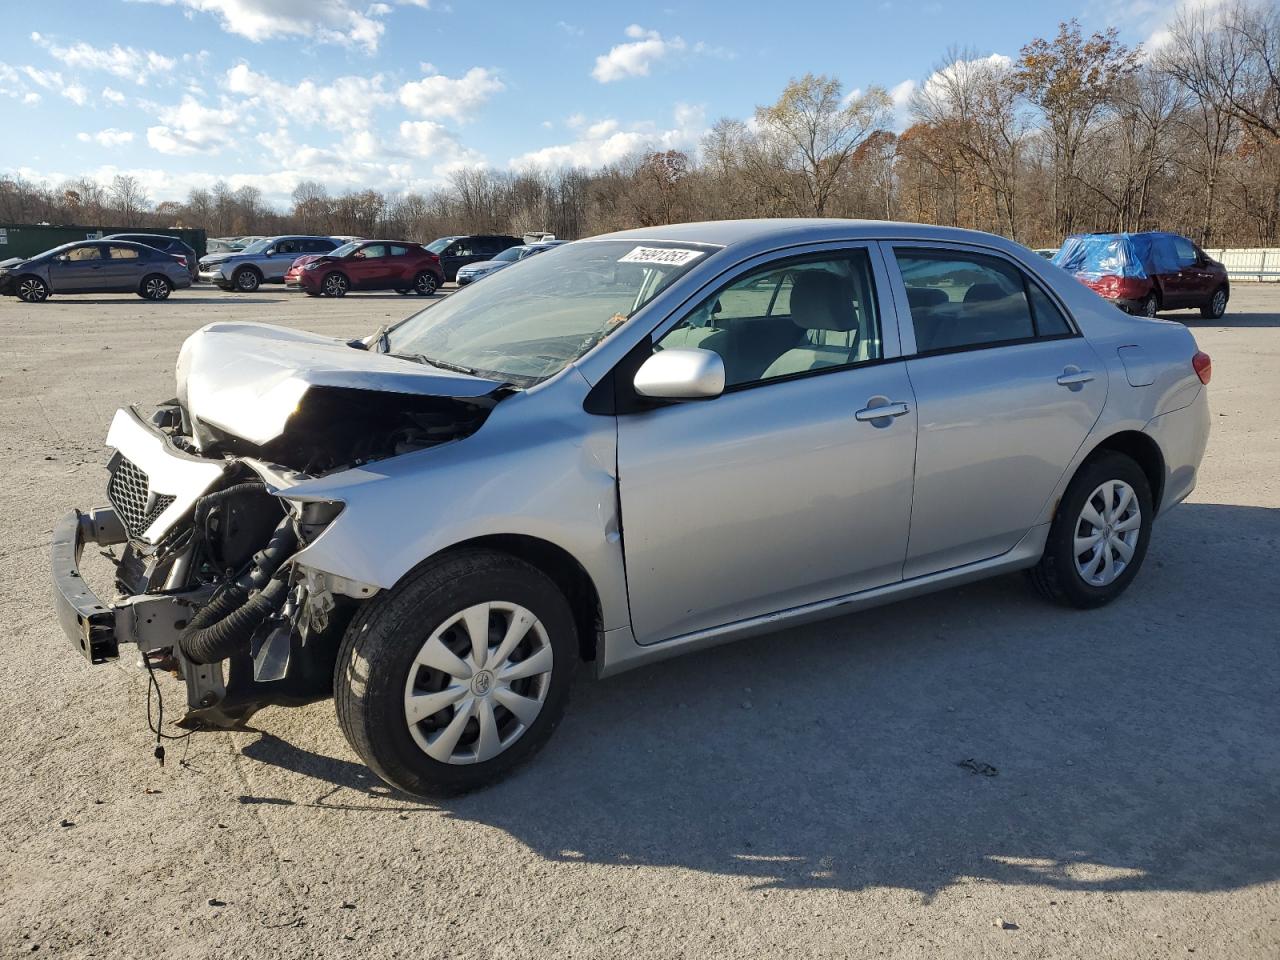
248 281
31 290
335 286
1107 533
1219 303
478 683
157 289
1151 307
427 284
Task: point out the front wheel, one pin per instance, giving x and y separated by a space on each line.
32 290
424 284
1216 306
155 288
334 285
453 678
1099 535
246 280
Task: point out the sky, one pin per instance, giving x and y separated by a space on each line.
395 94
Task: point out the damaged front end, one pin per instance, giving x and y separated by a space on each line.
204 519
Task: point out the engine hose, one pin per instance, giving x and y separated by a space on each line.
224 625
211 500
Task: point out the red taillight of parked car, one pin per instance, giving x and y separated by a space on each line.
181 258
1203 366
1117 288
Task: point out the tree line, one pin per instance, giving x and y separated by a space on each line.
1077 133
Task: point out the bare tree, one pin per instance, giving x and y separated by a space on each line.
128 198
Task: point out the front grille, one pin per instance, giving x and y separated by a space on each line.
129 491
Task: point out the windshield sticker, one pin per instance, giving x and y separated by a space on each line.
661 255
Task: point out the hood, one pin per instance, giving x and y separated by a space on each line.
211 258
484 266
303 260
249 379
12 262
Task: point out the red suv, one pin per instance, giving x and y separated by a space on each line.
1145 273
367 265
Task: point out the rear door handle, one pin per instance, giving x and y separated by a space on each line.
1072 377
884 410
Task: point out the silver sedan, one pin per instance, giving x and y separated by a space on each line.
632 447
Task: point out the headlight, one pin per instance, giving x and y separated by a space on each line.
311 266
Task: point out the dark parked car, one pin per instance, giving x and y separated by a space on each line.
263 261
95 266
174 246
455 252
474 271
367 265
1145 273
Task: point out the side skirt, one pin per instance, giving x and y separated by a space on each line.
620 652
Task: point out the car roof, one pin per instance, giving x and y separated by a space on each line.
153 236
784 231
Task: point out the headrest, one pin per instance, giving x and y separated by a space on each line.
821 301
984 293
921 298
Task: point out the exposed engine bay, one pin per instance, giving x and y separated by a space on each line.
204 523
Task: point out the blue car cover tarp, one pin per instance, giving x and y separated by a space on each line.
1118 254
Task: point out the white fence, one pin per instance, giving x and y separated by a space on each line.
1257 263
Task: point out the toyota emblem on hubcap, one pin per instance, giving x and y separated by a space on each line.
482 683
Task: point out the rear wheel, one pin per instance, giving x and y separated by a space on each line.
424 284
32 290
1150 306
246 280
335 285
1099 535
155 287
453 678
1216 306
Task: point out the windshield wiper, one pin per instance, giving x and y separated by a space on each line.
442 364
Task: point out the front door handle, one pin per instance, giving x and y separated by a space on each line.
1074 376
882 411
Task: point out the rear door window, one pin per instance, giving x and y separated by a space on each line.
960 300
124 253
399 251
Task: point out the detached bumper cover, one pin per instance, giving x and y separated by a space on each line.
88 622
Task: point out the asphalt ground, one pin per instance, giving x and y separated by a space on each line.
792 795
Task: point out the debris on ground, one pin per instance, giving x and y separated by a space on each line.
978 767
1004 924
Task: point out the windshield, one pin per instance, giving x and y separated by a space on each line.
258 246
525 325
511 254
345 250
435 246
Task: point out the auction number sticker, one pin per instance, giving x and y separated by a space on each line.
661 255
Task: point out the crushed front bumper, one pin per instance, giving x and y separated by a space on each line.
88 622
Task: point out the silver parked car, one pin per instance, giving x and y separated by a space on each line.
474 271
632 447
264 261
103 266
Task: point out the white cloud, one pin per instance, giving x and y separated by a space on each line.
440 96
569 28
345 22
31 98
124 62
634 59
112 95
52 80
191 127
111 137
344 101
605 141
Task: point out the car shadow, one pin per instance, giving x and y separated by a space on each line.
979 733
128 299
1232 318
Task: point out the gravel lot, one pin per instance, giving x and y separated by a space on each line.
794 795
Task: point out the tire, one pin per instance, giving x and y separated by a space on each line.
1061 573
246 280
425 283
1150 306
378 671
335 284
155 287
1216 306
31 289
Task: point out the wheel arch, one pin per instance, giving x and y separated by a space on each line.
250 267
1140 448
564 569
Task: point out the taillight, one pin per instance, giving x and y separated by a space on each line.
1203 366
180 258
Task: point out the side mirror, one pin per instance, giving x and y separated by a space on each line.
270 251
681 374
62 258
